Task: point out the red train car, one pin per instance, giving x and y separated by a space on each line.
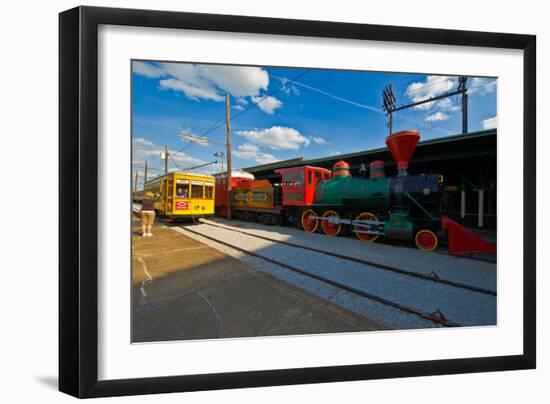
271 203
220 200
298 184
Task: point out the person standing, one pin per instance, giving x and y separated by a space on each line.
148 214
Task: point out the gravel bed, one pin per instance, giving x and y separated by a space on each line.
459 269
461 306
373 310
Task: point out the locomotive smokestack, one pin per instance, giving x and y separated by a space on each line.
402 145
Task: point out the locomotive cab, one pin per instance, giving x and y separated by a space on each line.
299 183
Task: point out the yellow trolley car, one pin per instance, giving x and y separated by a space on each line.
182 194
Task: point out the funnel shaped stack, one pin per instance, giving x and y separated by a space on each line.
402 145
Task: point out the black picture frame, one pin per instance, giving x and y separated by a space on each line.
78 207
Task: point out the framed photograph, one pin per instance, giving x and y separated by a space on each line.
251 201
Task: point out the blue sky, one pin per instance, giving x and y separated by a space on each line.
282 113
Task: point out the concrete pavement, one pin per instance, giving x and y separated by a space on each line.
183 289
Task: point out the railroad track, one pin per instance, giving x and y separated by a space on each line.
468 257
436 317
432 277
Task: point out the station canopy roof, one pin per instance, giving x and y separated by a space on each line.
451 148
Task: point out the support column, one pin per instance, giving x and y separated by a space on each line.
462 204
480 208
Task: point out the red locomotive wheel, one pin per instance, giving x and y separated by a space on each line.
426 240
309 224
369 238
329 228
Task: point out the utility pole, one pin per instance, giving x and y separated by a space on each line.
390 108
228 153
389 104
462 88
145 175
220 154
165 159
136 181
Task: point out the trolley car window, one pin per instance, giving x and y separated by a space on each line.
197 189
309 177
209 191
182 188
182 192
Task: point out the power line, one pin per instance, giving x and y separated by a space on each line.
410 94
433 83
269 95
201 165
155 168
219 124
174 161
334 96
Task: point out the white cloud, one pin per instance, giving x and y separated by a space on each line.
208 81
288 89
213 82
184 160
139 141
318 140
268 104
201 140
146 150
489 123
147 69
438 116
482 85
276 137
433 86
238 107
194 92
239 81
447 105
249 151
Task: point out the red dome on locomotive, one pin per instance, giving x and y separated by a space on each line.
340 169
377 169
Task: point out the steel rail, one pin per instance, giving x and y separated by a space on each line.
429 277
466 257
435 317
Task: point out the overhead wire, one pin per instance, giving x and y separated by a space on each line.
334 96
255 103
174 161
219 124
285 82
